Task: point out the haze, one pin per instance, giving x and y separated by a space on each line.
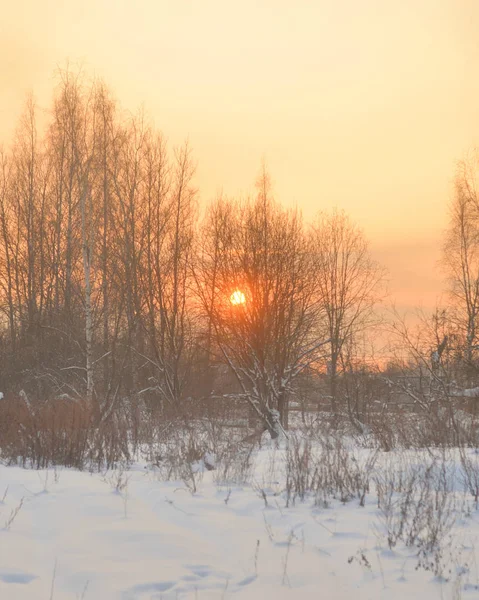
365 106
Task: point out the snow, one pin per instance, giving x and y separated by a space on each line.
130 536
470 393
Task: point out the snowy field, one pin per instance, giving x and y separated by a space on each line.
131 535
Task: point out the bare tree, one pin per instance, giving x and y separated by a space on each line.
348 285
97 223
167 272
254 281
6 274
209 248
461 260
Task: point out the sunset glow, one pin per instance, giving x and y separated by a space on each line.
237 297
361 105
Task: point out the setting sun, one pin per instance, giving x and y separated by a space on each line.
237 297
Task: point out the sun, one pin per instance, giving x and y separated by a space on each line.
237 297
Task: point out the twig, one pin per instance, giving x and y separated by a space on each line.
285 560
53 580
256 558
13 515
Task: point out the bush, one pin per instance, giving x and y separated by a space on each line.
327 469
418 507
60 432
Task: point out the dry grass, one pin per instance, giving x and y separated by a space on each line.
59 432
326 468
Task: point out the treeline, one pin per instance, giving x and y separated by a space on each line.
97 221
117 286
114 284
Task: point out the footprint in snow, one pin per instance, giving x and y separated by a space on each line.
204 571
16 577
247 580
201 572
147 589
348 535
200 577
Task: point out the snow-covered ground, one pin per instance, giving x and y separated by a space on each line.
132 536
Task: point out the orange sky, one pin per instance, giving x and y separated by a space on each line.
364 105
